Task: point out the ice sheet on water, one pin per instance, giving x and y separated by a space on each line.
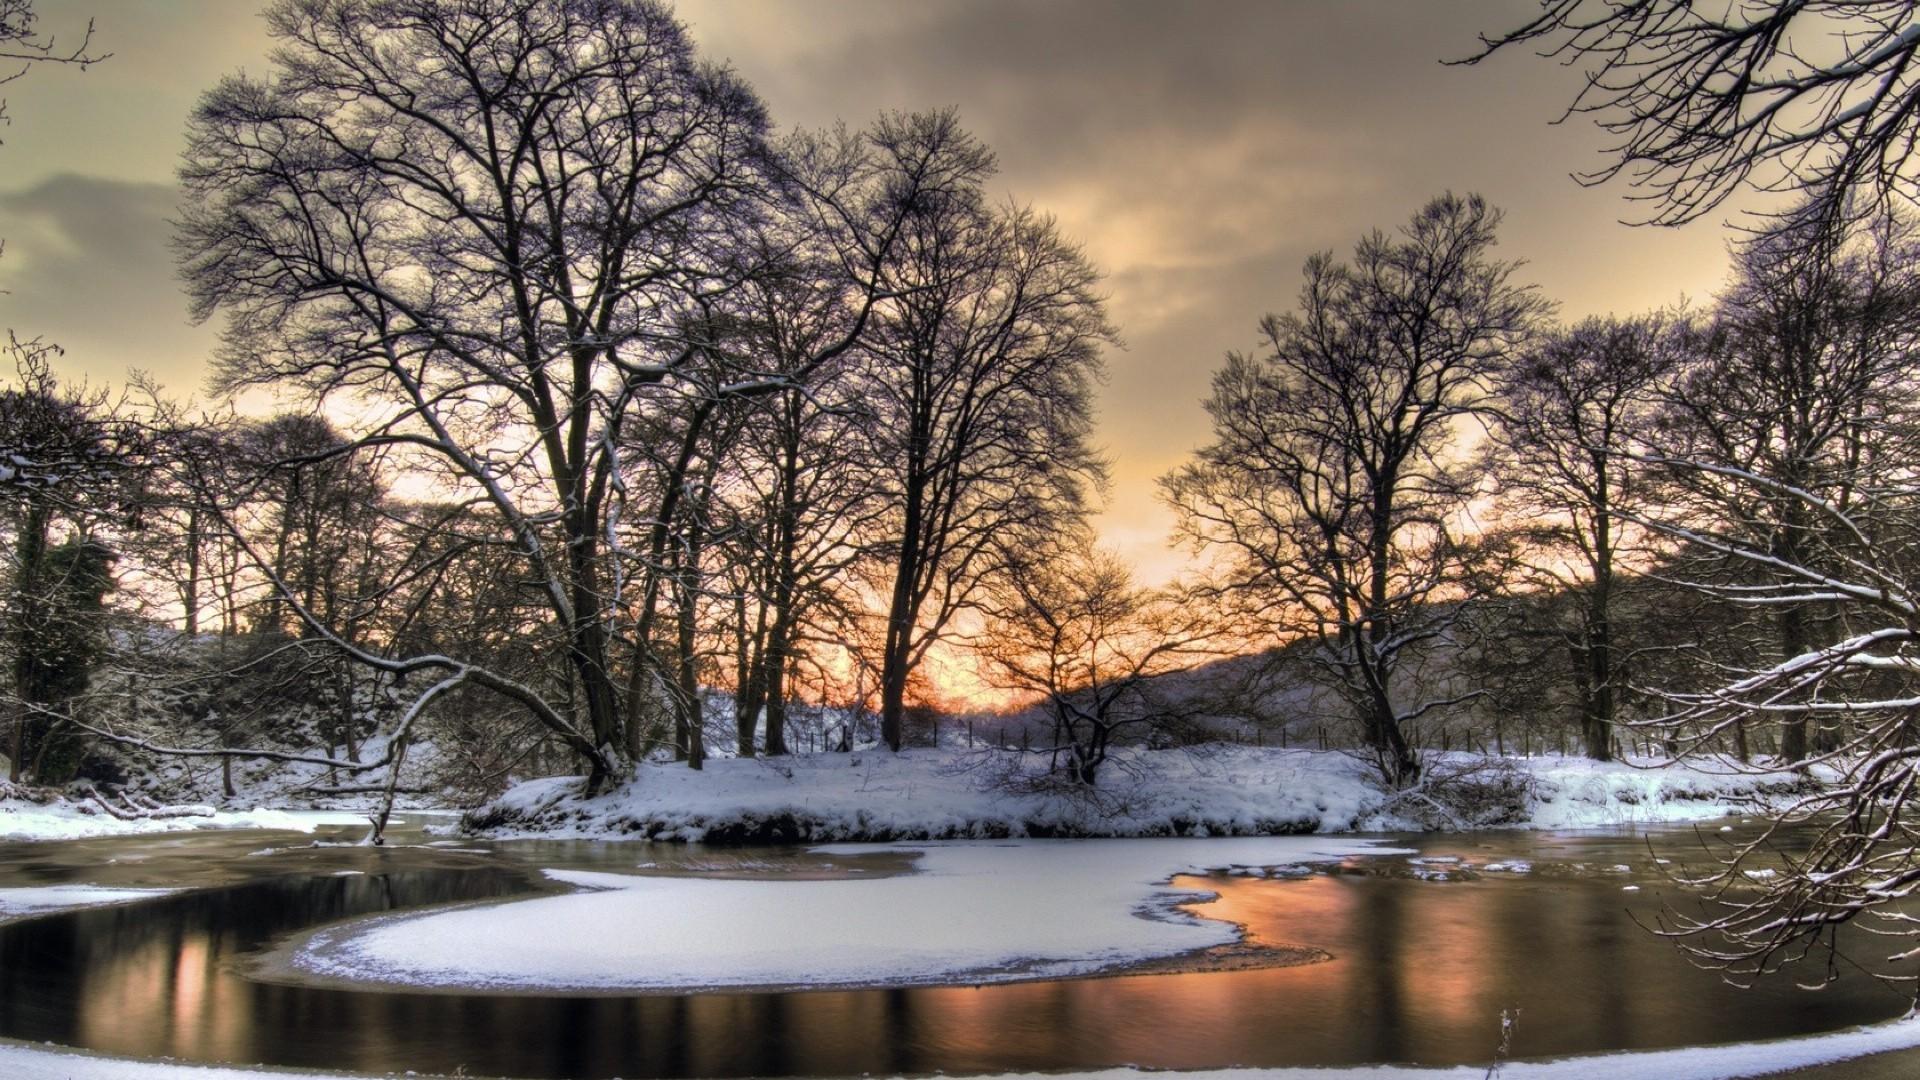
40 899
972 911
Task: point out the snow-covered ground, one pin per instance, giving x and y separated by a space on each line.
22 819
970 912
292 784
1201 791
21 1062
267 794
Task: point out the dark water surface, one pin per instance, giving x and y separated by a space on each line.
1421 971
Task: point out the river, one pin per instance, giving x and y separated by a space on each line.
1411 960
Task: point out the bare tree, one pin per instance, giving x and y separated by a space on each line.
1334 487
981 378
179 550
69 467
812 501
1573 410
791 333
23 45
1860 561
1069 626
1790 447
795 323
317 495
495 226
1820 97
1799 380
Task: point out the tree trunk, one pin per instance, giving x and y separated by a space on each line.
190 596
1383 722
19 743
687 703
275 599
776 735
587 651
1793 642
645 661
751 660
780 634
30 552
1599 700
1402 766
902 610
348 719
893 701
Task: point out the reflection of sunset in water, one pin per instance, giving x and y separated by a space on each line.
188 1012
1419 972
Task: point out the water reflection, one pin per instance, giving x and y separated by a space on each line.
1420 973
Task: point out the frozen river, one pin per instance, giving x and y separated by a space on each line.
1321 959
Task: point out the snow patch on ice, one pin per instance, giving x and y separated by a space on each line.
969 912
40 899
23 1062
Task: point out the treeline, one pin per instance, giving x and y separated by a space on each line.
1659 521
1444 519
601 392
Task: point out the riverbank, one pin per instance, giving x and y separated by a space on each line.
1866 1053
1224 790
61 818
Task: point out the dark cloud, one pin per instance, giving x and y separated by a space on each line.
88 267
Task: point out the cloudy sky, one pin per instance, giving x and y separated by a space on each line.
1199 151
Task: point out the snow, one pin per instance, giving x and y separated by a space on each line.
21 819
38 899
1576 793
971 912
272 782
24 1062
1200 791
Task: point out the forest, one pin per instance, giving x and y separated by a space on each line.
611 413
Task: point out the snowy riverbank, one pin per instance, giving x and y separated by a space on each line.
1202 791
1778 1058
67 819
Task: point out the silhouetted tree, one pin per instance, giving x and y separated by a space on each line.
499 225
1573 411
982 371
1334 487
1819 97
1069 626
1800 390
